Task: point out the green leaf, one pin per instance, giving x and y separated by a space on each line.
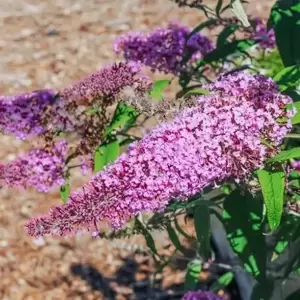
174 238
222 282
202 228
288 77
272 184
197 92
148 237
219 7
192 275
286 155
238 10
285 234
201 26
296 118
224 35
65 191
242 218
225 50
105 154
181 231
158 88
294 94
284 19
124 116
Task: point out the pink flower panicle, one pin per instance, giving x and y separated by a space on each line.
39 168
162 49
99 89
107 83
218 139
264 94
265 37
22 115
200 295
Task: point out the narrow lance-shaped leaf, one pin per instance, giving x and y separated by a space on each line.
238 10
202 227
226 50
197 92
148 237
174 238
225 34
201 26
288 78
181 231
285 19
272 184
286 155
219 7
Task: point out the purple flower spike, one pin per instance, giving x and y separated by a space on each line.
107 83
200 295
22 115
39 168
219 138
102 89
162 49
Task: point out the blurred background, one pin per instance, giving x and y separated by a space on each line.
50 44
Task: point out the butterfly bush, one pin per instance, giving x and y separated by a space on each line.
22 115
162 49
200 295
265 37
219 138
40 168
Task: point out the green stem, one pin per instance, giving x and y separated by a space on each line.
293 136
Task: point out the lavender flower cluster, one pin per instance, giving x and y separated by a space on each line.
265 37
22 115
264 94
42 113
162 49
200 295
39 168
219 138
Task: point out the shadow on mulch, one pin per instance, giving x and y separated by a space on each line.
125 276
